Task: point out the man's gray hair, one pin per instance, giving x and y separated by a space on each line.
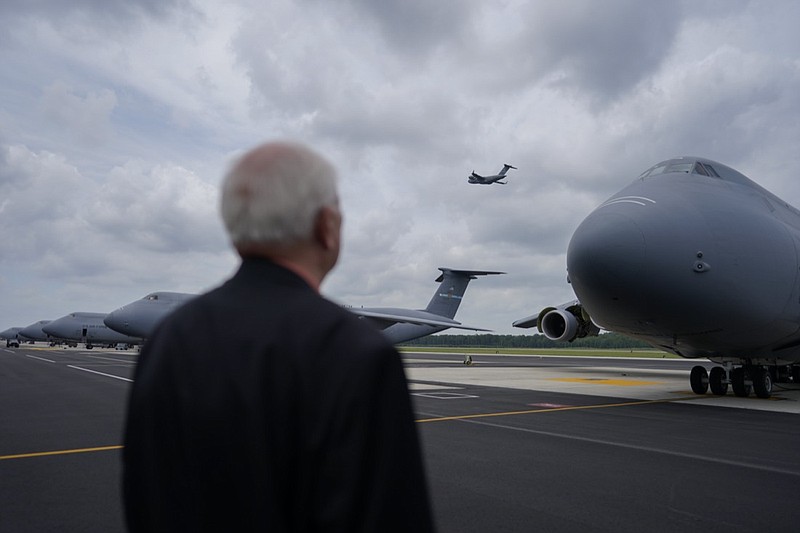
274 193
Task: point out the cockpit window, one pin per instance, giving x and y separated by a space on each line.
655 169
699 167
682 166
151 297
705 169
688 166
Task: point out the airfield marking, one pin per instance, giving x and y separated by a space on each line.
642 448
39 358
100 373
606 381
444 395
554 409
111 359
60 452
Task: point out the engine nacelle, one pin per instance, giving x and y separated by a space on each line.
559 325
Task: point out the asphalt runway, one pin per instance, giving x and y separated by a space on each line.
512 443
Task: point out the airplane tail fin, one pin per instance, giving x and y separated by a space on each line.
506 168
452 285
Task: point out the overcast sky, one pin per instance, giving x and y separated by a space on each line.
118 119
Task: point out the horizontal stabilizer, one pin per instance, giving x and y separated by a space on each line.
472 274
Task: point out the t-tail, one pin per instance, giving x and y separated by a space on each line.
453 284
506 168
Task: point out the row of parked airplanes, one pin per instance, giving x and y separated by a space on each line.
692 257
132 323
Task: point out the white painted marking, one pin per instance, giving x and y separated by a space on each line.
111 359
444 395
637 447
101 373
39 358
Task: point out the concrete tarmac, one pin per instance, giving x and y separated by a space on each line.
576 444
522 443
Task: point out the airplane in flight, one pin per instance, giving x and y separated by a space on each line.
695 259
87 328
140 317
488 180
400 324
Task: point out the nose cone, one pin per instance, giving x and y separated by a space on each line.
134 319
35 331
631 263
606 252
60 328
118 320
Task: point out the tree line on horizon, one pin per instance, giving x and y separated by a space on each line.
605 341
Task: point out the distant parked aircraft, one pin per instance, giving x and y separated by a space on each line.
11 335
87 328
140 317
399 324
34 331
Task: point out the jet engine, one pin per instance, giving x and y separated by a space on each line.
566 323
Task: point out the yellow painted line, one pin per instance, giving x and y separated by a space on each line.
554 409
605 381
60 452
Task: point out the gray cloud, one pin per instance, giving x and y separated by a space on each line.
119 119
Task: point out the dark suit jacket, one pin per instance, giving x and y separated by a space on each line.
262 406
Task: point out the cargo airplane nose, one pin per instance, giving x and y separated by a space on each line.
118 320
61 328
643 259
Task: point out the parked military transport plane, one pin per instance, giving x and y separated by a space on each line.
695 259
400 325
488 180
35 332
87 328
140 318
11 335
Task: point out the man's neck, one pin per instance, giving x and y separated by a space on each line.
300 270
297 259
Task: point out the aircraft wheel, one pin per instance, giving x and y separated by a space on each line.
468 360
717 382
762 382
737 382
699 380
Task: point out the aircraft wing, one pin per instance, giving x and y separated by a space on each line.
527 322
384 320
533 320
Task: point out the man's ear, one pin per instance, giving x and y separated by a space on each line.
327 227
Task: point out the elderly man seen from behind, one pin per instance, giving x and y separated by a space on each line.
262 406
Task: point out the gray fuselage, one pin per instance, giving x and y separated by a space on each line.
699 265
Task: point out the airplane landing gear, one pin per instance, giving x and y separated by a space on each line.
468 360
739 383
762 382
742 379
699 379
718 381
